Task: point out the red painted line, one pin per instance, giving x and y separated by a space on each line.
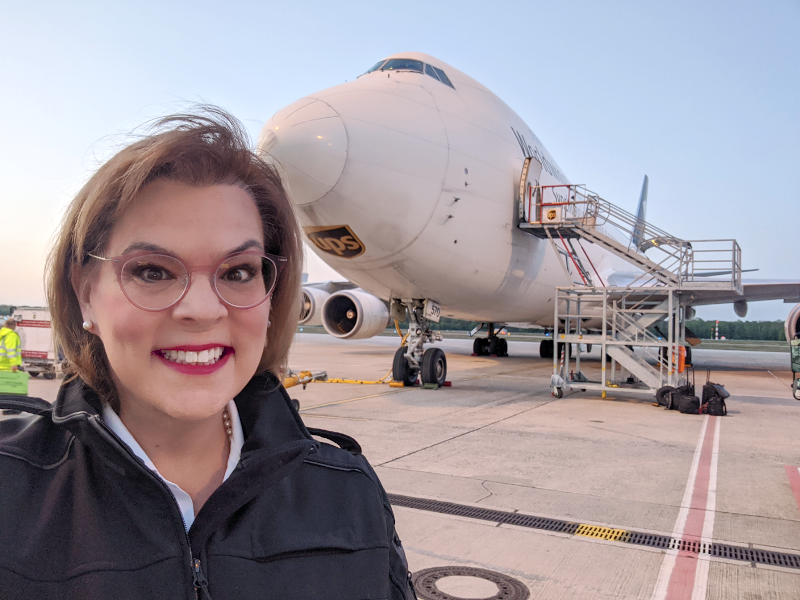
794 481
681 583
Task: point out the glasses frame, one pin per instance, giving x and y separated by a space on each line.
120 261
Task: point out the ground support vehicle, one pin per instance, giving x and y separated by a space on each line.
36 336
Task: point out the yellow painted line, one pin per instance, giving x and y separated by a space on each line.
603 533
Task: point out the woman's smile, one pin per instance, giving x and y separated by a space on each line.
194 355
180 360
195 360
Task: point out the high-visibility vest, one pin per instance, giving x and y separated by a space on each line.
10 349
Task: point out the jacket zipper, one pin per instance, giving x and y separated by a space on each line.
199 579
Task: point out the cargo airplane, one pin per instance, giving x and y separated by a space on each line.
407 181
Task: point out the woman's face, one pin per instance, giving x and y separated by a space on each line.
200 226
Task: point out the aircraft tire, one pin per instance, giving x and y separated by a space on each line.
481 347
494 346
546 348
295 403
502 347
434 366
400 369
662 395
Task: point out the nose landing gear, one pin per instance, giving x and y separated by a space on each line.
412 360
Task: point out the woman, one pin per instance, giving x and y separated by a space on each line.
172 464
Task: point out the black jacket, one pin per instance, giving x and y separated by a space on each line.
81 517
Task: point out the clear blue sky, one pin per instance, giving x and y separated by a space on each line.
701 96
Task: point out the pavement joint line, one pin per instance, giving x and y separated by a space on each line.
670 544
776 377
316 416
351 400
383 464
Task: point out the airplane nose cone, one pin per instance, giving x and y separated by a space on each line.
308 143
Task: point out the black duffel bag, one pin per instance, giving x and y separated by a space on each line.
689 405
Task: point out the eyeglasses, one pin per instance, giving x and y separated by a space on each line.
155 282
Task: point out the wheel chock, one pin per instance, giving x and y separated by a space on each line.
431 386
396 384
447 384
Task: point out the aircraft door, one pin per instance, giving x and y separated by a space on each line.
530 201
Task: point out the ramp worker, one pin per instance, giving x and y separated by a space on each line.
10 346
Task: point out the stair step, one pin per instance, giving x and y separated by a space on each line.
645 372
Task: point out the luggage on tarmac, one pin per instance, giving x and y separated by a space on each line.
714 395
688 405
683 398
716 407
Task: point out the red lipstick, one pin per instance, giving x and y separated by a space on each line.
189 369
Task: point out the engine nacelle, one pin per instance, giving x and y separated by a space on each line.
354 315
740 308
311 303
792 323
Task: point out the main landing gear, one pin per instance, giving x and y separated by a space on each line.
491 345
411 360
546 349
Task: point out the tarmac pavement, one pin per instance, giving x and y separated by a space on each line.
497 439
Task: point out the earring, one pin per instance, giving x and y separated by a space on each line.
87 325
269 323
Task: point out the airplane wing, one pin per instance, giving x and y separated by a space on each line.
331 286
755 290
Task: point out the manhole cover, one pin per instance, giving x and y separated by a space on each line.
507 588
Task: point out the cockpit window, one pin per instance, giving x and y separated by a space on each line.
438 75
407 64
442 77
402 64
429 71
377 66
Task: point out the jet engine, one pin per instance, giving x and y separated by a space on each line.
793 323
354 315
311 305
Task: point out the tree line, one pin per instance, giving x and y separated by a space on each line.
739 330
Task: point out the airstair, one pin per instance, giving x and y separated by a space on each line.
639 325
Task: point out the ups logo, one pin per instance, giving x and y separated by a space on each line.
551 214
338 240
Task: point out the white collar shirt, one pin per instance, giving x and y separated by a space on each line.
183 499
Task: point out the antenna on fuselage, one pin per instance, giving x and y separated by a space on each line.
638 230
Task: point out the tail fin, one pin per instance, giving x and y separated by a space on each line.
638 230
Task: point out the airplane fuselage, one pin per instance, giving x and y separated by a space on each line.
409 188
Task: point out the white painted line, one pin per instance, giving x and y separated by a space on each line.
700 587
695 523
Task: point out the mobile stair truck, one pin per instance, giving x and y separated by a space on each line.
36 336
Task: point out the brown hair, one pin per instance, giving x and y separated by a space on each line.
206 147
